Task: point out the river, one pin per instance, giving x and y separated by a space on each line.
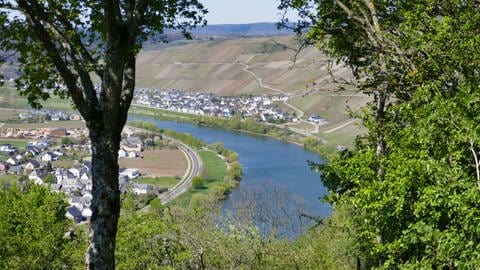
272 168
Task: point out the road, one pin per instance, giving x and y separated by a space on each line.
194 168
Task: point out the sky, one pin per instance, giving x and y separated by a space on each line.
241 11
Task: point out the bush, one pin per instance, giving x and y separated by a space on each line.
198 182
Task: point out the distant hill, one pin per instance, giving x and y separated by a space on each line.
253 29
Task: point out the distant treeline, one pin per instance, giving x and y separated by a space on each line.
186 138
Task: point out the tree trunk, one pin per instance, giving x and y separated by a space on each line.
106 199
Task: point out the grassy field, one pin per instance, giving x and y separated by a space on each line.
214 166
8 179
52 124
162 181
302 126
214 172
10 98
63 163
19 143
6 114
154 111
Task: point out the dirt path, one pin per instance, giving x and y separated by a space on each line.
349 122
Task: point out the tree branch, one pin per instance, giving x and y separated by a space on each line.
477 165
349 12
68 76
39 20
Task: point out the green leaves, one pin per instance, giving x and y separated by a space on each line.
65 42
415 204
32 229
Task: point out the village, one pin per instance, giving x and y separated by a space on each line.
61 159
261 107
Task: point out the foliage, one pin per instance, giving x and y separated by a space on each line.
166 238
49 179
66 140
202 237
63 48
32 230
183 137
412 182
198 182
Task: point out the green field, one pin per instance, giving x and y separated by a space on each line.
8 179
163 181
10 98
52 124
19 143
214 168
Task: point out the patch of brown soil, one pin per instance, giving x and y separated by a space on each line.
163 162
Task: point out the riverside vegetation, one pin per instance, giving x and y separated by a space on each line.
248 125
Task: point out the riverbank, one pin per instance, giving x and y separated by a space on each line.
249 126
221 171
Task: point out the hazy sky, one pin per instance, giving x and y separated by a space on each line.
241 11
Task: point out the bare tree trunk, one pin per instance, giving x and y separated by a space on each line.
106 199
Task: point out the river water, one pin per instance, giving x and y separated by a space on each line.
274 172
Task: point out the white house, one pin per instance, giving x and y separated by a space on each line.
75 172
13 161
49 156
142 188
37 176
87 213
130 173
32 165
122 153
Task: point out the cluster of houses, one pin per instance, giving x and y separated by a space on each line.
260 107
49 115
43 133
35 164
131 147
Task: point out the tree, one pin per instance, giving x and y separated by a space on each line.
49 179
66 140
417 211
62 46
360 33
49 167
198 182
32 229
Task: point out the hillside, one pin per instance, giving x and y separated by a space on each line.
227 65
255 65
250 29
